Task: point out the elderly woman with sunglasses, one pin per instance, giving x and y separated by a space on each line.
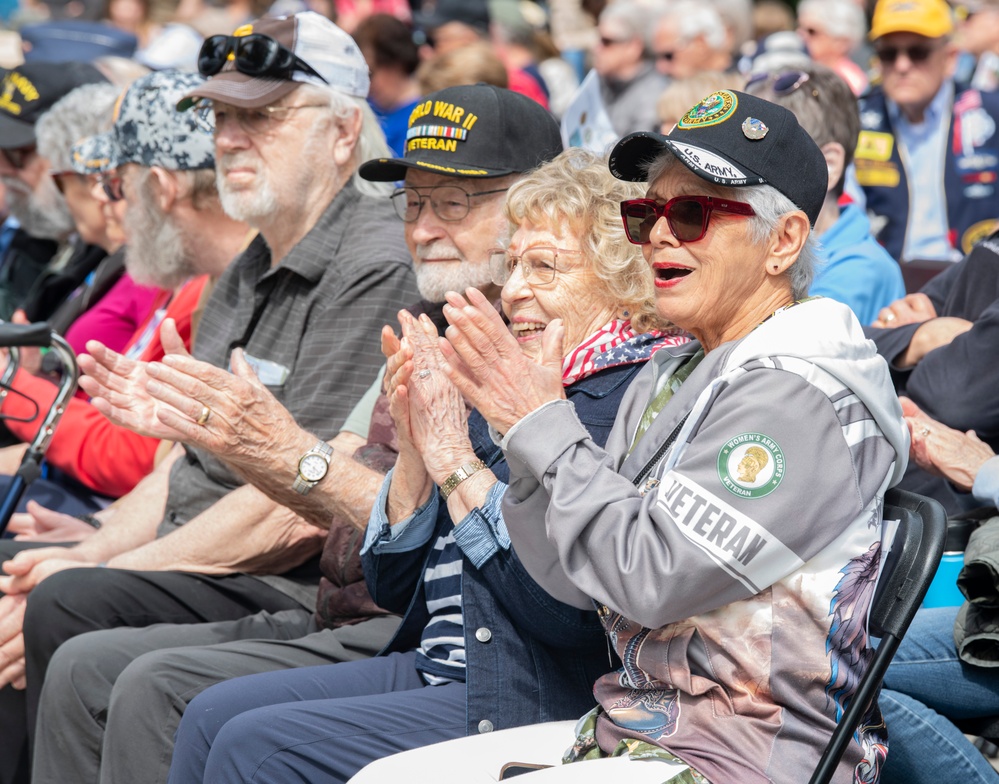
735 598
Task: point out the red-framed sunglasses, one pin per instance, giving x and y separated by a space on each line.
687 216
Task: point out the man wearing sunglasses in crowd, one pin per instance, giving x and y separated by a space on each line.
918 133
629 82
467 145
43 237
304 303
690 38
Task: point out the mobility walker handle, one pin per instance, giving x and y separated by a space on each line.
41 334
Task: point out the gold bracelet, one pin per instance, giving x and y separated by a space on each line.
448 485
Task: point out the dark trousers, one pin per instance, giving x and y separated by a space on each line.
76 601
313 723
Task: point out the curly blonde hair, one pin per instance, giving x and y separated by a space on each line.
576 190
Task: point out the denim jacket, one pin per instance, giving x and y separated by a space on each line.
529 658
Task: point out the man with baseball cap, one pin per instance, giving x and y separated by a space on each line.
304 303
466 146
26 93
918 133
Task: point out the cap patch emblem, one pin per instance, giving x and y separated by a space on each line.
16 82
714 109
754 129
751 465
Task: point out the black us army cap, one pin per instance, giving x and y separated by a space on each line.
734 139
472 131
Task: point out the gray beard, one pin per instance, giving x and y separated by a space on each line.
42 213
248 206
435 279
154 254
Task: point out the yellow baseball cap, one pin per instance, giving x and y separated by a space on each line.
929 18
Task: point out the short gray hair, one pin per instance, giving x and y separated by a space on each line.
632 17
770 205
371 143
85 111
840 18
693 19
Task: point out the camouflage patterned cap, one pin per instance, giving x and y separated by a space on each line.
148 129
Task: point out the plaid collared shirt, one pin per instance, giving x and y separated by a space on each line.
314 320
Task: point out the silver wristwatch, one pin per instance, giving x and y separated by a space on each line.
312 467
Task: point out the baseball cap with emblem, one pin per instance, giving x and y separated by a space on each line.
148 129
472 131
733 139
929 18
29 90
246 69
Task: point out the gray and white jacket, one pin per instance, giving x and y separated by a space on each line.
735 580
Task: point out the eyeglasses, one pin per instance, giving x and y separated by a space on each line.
667 56
211 119
19 157
687 216
449 202
537 265
111 185
254 55
783 83
917 54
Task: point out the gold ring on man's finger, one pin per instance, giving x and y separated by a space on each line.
205 413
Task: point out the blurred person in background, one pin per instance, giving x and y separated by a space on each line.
855 270
771 16
163 42
454 24
392 57
737 17
690 37
919 133
978 39
46 224
629 81
468 65
832 30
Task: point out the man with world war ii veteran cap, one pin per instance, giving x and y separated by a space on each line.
304 304
918 132
26 93
452 214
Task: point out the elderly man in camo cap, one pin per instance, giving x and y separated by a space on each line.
157 168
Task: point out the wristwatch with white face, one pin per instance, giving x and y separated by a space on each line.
312 467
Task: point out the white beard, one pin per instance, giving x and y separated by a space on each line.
249 205
435 279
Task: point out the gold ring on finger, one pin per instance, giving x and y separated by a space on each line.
205 413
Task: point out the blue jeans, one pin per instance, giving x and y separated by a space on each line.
926 685
313 723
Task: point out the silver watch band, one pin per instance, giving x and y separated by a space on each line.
302 485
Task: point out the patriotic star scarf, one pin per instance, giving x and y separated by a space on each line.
616 343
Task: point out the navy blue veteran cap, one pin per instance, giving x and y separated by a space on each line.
148 129
734 139
28 91
472 131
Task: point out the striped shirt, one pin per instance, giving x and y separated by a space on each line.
441 655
